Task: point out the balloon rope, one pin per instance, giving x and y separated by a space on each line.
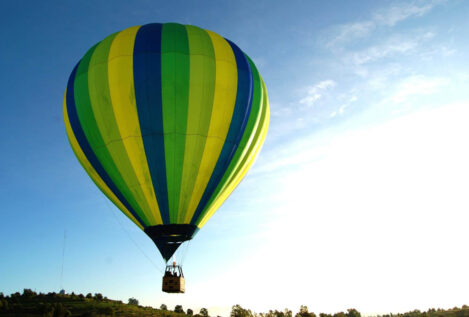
63 260
131 239
184 252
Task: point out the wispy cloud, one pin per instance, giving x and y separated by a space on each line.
315 92
417 85
387 17
344 106
398 13
347 32
394 45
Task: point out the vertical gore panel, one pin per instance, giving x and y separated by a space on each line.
226 80
121 88
101 126
201 90
175 94
91 171
237 126
147 81
85 146
242 153
254 150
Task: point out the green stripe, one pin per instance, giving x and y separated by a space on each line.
92 98
201 92
175 77
247 141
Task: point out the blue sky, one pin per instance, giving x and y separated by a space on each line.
361 184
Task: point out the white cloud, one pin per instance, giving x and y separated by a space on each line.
351 31
314 93
393 46
377 52
377 79
382 18
417 85
342 108
398 13
437 52
280 111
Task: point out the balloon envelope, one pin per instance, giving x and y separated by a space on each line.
166 119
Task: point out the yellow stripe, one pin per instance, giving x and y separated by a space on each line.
89 168
248 149
252 157
120 169
226 84
121 86
201 89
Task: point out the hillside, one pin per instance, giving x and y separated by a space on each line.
30 303
60 305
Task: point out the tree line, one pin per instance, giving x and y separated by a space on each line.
30 303
238 311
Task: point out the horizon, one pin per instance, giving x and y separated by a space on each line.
360 188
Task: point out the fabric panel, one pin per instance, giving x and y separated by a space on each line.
237 125
147 82
91 171
121 88
86 148
226 80
244 168
97 115
241 155
201 92
175 94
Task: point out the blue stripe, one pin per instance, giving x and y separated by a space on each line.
147 82
86 148
238 123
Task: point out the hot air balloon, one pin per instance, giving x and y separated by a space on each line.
166 119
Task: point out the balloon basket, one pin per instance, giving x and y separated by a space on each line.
173 280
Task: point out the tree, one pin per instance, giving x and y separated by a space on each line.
89 295
190 312
204 312
98 296
352 312
163 307
238 311
340 314
133 301
178 309
27 292
304 312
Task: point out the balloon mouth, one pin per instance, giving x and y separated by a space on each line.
168 238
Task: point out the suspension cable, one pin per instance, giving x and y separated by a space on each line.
131 239
63 260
